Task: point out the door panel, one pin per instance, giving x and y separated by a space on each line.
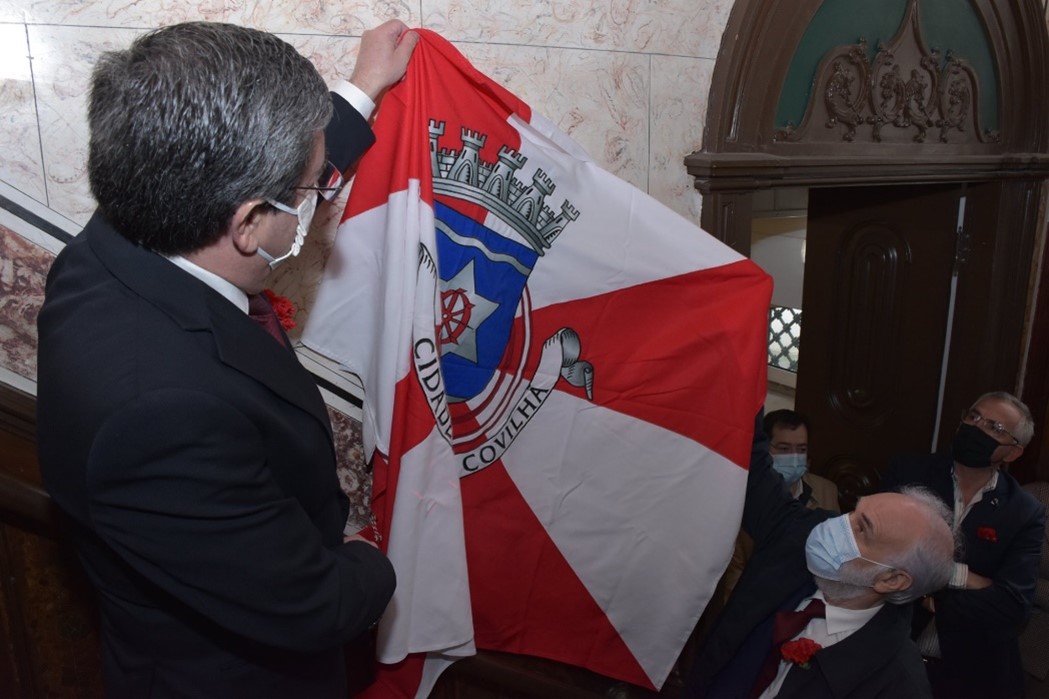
876 293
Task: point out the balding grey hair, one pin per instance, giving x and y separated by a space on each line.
930 559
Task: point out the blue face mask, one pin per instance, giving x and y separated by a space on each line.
831 544
791 466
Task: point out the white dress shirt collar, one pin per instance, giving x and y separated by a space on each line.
228 290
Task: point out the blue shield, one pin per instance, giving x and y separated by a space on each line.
482 276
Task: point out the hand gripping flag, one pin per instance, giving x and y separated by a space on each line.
561 377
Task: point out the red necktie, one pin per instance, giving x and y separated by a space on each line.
261 311
785 626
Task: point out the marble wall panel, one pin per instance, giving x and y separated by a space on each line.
333 56
20 158
63 58
12 11
679 107
23 270
138 14
676 28
329 18
301 16
599 98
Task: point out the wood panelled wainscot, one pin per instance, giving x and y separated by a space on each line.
48 622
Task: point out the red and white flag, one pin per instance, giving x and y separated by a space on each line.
561 376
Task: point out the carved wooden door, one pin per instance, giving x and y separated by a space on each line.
876 295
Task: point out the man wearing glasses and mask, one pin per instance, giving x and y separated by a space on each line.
968 631
189 449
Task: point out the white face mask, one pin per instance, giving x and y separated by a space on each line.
791 466
831 544
304 214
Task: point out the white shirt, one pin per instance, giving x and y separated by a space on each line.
839 625
928 639
961 510
356 97
231 292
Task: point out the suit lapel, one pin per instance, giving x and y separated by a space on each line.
941 480
854 661
240 342
245 346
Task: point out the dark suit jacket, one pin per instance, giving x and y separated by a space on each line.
1002 534
193 456
878 660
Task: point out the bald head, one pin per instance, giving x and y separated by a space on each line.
906 548
910 532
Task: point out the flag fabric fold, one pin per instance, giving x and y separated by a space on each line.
561 377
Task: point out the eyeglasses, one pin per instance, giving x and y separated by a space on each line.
329 183
304 211
995 429
327 187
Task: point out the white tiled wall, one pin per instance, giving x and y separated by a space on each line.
628 79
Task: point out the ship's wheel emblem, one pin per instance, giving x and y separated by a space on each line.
463 312
456 310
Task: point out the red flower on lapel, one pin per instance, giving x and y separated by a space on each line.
800 651
283 307
987 534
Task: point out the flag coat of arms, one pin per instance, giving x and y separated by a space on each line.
561 377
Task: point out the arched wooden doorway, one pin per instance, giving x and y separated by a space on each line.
924 161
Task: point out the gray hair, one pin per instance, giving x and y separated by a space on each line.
930 560
1024 431
193 120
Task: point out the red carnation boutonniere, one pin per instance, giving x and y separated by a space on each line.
800 651
987 534
283 307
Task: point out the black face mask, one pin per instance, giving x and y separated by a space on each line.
973 447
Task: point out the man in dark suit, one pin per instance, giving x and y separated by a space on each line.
969 631
863 568
190 450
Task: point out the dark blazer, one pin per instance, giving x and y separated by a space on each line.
1002 536
878 660
193 456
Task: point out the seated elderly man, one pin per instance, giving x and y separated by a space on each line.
851 577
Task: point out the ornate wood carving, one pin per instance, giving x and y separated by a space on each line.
901 94
742 153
